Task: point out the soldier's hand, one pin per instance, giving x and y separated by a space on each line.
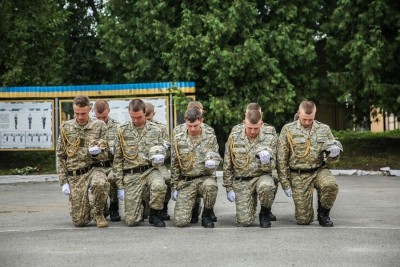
121 194
65 189
334 151
231 196
174 195
288 192
265 156
210 164
158 159
94 150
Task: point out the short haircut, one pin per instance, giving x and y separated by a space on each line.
194 104
136 105
81 101
149 108
308 106
100 106
253 116
254 106
193 115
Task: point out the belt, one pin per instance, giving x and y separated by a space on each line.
79 171
300 171
139 169
104 164
190 178
244 178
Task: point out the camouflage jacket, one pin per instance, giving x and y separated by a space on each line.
132 147
189 159
73 144
307 147
241 155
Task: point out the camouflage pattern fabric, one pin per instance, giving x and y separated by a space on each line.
240 160
246 197
112 130
131 151
149 187
205 187
72 154
162 168
188 159
308 154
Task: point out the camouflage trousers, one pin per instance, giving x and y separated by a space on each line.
302 192
82 206
113 185
167 178
205 187
246 197
146 187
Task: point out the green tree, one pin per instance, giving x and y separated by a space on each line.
81 65
236 51
363 50
31 42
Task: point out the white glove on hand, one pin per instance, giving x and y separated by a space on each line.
211 164
231 196
121 194
174 195
112 150
335 151
265 156
95 150
288 192
65 189
158 159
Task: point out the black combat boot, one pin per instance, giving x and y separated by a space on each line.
272 217
195 212
114 212
206 220
164 212
155 218
264 217
212 215
323 216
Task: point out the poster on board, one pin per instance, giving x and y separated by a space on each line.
26 125
119 109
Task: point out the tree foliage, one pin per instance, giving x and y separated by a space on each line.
363 48
31 43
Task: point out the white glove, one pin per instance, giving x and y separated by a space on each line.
231 196
112 150
65 189
158 159
265 156
288 192
95 150
211 164
121 194
174 195
335 151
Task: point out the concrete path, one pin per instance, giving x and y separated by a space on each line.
36 230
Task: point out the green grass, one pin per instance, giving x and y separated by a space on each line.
362 150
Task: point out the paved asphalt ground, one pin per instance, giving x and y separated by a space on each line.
36 230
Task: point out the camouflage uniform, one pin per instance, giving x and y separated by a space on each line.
189 175
81 170
267 129
163 169
246 175
301 161
133 170
181 128
112 129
